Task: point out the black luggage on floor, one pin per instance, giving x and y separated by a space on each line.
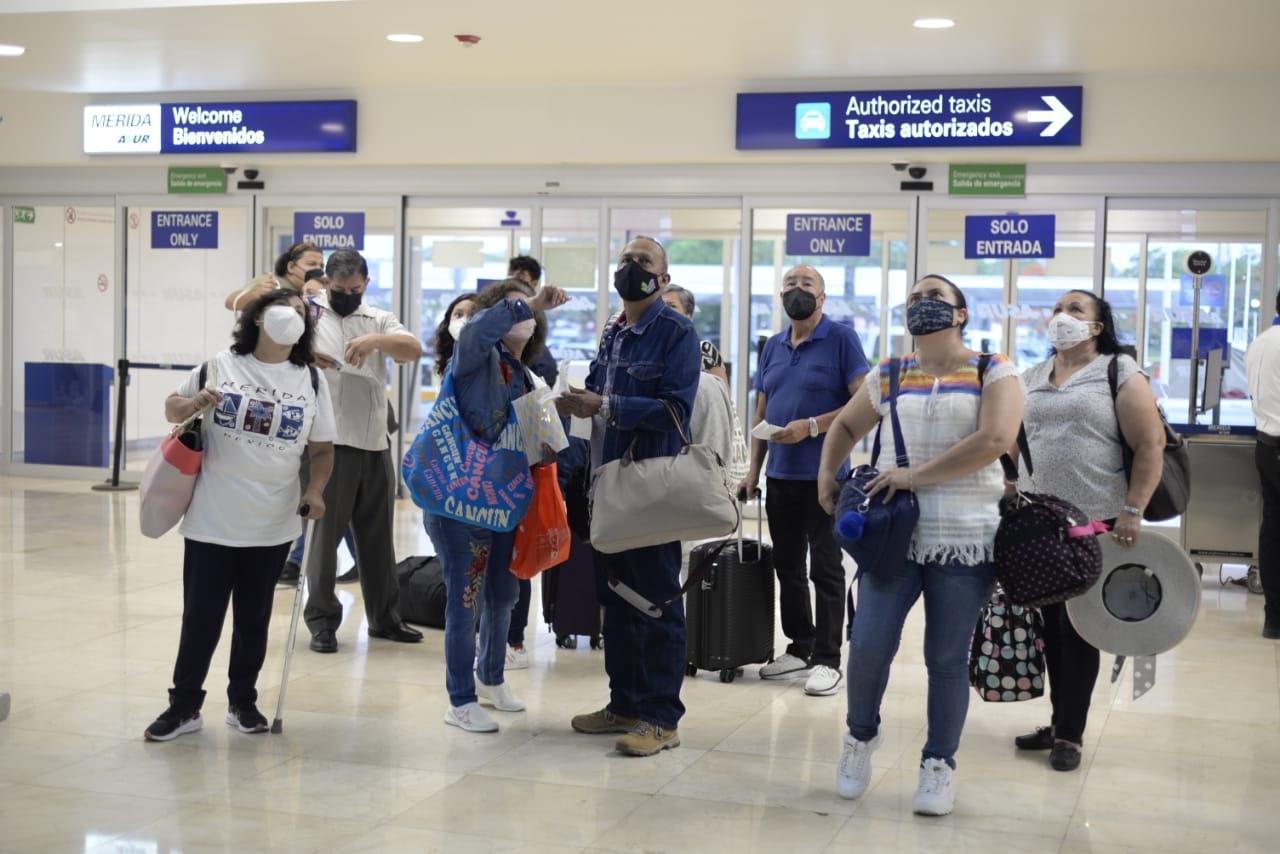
422 593
569 603
730 612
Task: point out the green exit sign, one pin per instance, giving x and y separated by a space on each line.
24 214
988 179
197 179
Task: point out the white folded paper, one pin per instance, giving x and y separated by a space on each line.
765 430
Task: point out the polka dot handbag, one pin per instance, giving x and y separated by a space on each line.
1006 660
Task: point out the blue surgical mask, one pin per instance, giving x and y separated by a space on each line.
929 316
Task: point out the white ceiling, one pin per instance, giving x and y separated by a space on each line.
135 46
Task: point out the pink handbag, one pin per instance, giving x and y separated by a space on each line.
170 478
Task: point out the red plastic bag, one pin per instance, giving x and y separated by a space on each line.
542 538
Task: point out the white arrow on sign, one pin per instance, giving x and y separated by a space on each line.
1057 115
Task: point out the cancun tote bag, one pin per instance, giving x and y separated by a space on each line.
877 533
636 503
542 537
170 477
1174 489
451 472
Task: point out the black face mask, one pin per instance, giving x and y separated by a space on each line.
344 303
799 304
634 283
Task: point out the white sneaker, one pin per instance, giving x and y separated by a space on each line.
853 774
517 658
470 717
500 695
823 681
783 665
936 794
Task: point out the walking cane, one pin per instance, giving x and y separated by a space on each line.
277 726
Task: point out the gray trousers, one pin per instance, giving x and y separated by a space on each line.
359 496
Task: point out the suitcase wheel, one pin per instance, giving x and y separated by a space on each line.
596 642
728 675
690 670
566 641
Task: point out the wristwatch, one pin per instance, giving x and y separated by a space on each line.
813 428
1132 510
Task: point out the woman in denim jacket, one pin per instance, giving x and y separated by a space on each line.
506 334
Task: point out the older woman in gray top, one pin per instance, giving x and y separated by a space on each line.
1074 429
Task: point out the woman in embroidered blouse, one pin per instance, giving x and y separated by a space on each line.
1074 431
955 426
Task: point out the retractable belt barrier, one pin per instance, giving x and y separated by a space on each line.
123 366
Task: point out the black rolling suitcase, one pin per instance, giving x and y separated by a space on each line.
730 612
569 602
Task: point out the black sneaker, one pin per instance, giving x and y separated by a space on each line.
173 722
246 718
351 575
1065 756
289 575
1041 739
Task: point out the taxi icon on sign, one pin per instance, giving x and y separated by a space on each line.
813 121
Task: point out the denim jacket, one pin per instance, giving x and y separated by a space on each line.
486 375
640 366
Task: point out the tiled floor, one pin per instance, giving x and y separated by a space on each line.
89 617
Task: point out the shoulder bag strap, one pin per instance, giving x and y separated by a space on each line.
1006 462
899 444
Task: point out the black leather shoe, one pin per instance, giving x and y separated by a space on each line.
352 574
289 575
1065 756
1041 739
401 633
324 641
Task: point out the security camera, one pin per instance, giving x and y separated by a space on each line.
916 172
230 170
899 165
252 174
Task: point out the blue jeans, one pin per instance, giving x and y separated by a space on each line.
644 656
479 588
295 556
953 596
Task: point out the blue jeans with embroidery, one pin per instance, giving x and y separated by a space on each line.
953 596
480 589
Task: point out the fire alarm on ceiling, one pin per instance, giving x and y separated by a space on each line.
467 40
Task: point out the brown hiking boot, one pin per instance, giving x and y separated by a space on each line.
603 721
647 739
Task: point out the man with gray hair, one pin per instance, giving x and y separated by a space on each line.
353 342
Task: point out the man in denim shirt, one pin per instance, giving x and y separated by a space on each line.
648 354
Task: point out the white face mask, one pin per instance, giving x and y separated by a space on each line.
1066 331
283 325
520 333
455 327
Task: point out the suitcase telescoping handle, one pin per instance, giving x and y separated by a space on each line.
742 499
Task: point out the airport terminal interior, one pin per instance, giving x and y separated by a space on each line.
156 155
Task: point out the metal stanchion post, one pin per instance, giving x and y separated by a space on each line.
114 484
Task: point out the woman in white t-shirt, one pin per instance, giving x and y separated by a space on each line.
959 411
266 405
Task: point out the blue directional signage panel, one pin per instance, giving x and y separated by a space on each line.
829 234
1009 236
249 127
329 231
184 229
912 118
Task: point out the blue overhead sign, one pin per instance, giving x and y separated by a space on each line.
914 118
829 234
249 127
329 231
184 229
1009 236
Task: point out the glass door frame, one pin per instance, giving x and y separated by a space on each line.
1031 204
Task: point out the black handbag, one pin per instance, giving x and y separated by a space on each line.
877 533
1006 659
1174 489
1046 549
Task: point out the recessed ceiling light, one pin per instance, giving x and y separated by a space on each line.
12 50
933 23
404 38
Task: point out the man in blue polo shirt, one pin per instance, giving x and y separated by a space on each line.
807 373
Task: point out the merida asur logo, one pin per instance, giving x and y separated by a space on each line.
813 120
